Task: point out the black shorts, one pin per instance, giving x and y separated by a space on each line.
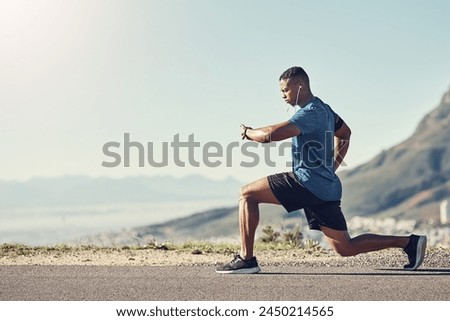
294 196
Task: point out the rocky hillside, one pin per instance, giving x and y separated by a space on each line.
408 180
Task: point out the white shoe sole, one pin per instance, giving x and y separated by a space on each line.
241 271
420 252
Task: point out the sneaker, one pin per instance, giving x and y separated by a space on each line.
240 266
416 251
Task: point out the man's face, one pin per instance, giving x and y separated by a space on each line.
289 90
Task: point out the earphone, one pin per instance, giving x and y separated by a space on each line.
296 99
298 93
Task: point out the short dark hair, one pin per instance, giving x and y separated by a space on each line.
295 72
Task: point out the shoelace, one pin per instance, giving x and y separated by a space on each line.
235 259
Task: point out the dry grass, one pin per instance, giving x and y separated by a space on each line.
203 253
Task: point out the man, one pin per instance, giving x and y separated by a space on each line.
312 185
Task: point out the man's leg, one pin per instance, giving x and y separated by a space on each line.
251 196
344 245
414 245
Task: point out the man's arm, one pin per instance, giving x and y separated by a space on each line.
271 133
342 142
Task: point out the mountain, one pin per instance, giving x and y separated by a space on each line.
408 180
84 190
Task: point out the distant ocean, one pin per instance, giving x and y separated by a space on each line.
54 225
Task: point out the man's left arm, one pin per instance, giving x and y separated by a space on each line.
271 133
342 142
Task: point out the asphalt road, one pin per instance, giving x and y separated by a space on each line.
105 283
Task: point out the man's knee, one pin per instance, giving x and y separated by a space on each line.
246 193
258 192
343 249
340 241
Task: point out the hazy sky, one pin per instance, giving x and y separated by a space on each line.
75 75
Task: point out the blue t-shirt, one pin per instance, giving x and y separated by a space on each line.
313 150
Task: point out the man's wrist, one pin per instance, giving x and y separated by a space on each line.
245 132
245 135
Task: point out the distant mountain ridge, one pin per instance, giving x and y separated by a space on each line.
84 190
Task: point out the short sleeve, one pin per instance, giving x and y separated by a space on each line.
305 119
338 122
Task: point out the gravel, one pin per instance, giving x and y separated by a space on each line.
435 258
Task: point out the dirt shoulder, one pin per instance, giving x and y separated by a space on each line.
436 257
